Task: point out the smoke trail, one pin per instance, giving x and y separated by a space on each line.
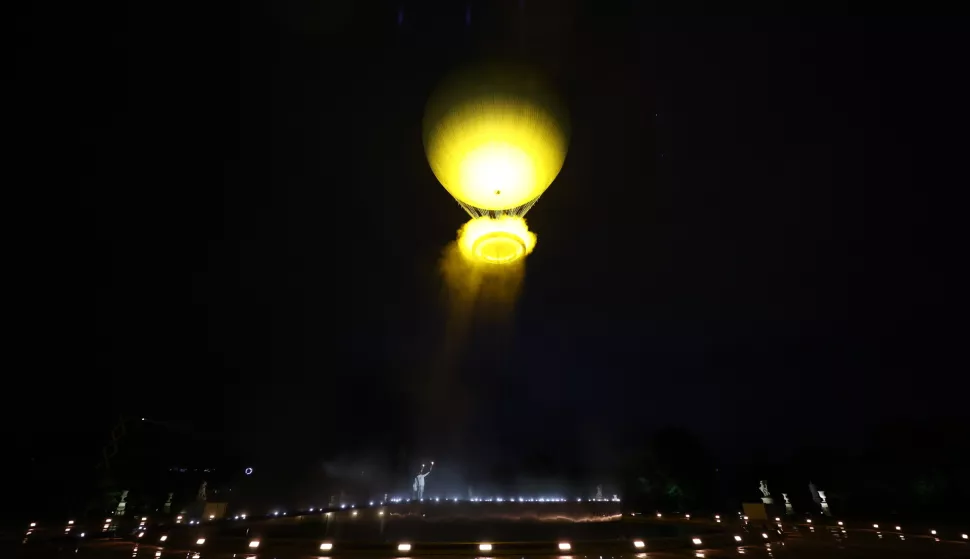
480 290
476 293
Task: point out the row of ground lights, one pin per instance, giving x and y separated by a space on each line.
840 523
483 547
405 547
180 518
563 546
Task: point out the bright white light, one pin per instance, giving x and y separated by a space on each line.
737 538
964 536
108 520
163 538
144 518
777 519
564 546
353 513
70 522
747 518
717 516
404 547
140 534
211 516
658 515
898 528
765 536
243 516
311 510
933 532
687 516
82 534
840 522
697 541
327 546
875 526
371 503
33 524
484 547
254 544
638 544
809 520
200 541
380 513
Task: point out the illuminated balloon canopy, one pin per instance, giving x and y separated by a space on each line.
495 137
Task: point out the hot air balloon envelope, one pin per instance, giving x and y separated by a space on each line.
495 138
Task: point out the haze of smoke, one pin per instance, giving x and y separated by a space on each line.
474 292
480 289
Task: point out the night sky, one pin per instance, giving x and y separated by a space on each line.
756 218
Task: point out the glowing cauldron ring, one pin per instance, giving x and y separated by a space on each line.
499 238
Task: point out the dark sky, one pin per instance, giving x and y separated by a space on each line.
756 218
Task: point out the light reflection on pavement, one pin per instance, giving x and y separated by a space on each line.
855 547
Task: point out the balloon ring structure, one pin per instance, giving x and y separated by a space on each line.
249 471
499 240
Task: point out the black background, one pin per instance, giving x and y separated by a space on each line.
227 221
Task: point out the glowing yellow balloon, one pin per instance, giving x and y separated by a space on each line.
495 139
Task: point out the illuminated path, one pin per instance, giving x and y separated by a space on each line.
798 542
813 547
567 530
